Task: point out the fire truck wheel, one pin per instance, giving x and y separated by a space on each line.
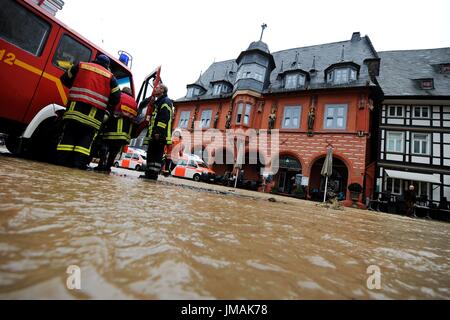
138 168
116 164
196 177
12 144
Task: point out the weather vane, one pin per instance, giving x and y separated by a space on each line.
263 26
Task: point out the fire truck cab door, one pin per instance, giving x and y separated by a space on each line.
66 52
26 39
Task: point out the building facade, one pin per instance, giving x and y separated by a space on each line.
415 125
317 97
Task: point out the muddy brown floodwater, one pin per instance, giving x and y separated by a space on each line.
139 239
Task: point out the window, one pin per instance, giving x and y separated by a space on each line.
192 164
220 88
394 186
206 119
342 75
217 89
192 92
239 114
253 71
248 108
291 81
135 157
335 116
294 80
445 68
421 188
421 112
291 118
22 28
427 84
395 141
70 52
421 143
396 111
184 119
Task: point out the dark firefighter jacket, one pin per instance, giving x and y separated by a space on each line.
161 121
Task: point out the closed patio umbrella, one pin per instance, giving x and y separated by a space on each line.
239 161
327 170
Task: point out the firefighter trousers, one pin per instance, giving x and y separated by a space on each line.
108 153
155 154
75 147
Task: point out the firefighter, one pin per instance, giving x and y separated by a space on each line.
117 131
93 90
159 132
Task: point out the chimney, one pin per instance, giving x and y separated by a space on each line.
356 36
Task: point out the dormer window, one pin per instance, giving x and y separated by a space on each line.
343 72
193 92
294 80
426 84
445 68
342 75
251 71
220 88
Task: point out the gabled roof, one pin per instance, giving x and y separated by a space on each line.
400 69
325 55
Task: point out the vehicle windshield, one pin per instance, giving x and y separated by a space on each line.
124 82
202 164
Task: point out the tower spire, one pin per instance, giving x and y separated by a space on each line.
263 26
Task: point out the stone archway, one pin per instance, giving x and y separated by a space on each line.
289 173
337 183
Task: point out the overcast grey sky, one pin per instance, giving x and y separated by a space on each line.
185 37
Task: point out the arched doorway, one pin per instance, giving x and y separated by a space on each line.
289 174
337 183
223 161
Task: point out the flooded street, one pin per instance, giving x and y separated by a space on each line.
140 239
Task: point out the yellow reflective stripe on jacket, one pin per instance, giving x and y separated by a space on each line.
169 127
96 70
128 109
115 89
65 147
81 117
162 125
82 150
116 136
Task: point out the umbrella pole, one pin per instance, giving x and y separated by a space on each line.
325 192
235 180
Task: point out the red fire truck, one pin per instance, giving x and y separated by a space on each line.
35 50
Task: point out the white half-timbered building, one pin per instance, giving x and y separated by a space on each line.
414 124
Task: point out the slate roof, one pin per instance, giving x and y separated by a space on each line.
399 69
324 55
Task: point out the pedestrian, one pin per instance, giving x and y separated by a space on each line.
159 132
410 200
117 132
172 153
93 92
